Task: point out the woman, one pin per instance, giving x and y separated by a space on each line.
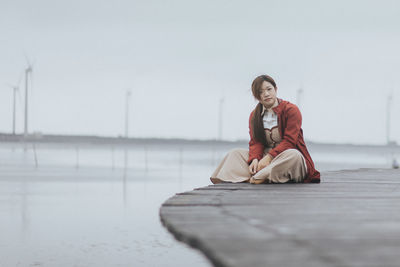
277 151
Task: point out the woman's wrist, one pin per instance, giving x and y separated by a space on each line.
269 158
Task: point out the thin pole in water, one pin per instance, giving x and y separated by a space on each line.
35 156
112 159
77 158
145 160
124 185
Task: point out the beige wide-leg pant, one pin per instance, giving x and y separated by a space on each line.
288 166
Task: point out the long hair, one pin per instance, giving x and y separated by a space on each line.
257 120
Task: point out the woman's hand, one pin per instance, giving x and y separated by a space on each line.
253 166
264 162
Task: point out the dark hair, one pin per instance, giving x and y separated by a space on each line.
256 121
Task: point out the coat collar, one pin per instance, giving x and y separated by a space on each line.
278 109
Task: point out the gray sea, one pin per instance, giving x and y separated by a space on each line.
98 205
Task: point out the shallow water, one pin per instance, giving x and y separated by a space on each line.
85 212
97 205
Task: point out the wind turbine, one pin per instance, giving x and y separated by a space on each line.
15 90
127 98
28 71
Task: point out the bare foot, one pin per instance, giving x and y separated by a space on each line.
215 180
256 181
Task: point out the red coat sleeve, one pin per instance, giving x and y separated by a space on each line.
291 131
256 149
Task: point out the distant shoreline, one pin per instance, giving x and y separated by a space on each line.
93 139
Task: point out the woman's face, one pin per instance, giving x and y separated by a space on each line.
267 94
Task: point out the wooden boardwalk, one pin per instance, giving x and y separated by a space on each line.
351 219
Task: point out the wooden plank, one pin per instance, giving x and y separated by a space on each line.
351 219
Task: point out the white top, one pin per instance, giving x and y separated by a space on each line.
270 119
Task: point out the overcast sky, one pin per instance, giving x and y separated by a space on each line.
180 57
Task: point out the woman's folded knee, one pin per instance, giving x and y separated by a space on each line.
292 153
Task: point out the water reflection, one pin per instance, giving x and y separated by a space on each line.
125 171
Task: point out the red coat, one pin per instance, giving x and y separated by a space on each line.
289 125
